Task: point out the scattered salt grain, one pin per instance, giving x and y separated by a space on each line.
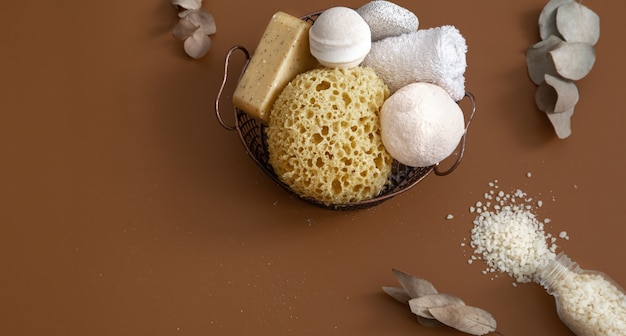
450 216
509 238
511 241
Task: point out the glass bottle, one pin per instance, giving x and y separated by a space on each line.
590 303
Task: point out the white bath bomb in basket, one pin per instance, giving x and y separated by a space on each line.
421 124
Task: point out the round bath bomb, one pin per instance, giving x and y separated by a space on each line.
323 135
340 38
421 124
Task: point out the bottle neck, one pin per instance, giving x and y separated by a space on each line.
557 272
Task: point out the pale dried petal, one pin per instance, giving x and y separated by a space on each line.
556 95
397 293
573 60
538 60
183 29
187 4
471 320
197 45
577 23
414 286
547 18
204 20
561 122
421 306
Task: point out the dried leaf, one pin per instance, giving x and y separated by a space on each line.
187 4
203 20
421 306
183 29
573 60
429 322
556 95
577 23
561 122
471 320
538 61
397 293
547 18
414 286
197 45
185 12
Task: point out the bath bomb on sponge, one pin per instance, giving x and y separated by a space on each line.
421 124
340 38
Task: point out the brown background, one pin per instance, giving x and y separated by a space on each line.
126 209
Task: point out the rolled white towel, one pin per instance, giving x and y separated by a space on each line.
433 55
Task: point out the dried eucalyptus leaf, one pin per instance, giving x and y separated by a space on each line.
556 95
414 286
420 306
538 60
397 293
562 123
197 45
577 23
471 320
183 29
573 60
187 4
429 322
203 20
182 14
547 18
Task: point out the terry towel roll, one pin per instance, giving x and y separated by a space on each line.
434 55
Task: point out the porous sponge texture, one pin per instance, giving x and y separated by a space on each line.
324 137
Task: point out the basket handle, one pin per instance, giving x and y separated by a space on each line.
437 171
218 113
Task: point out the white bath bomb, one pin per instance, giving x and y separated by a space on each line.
340 38
421 124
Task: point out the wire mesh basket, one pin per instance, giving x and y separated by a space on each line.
252 134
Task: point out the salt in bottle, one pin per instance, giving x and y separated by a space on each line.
589 302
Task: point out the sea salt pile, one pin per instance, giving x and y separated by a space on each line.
508 237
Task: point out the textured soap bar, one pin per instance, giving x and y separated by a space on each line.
282 53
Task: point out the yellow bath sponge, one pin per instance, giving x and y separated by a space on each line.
324 135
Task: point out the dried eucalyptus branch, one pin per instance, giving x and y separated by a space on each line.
569 31
435 309
194 27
